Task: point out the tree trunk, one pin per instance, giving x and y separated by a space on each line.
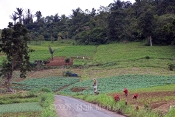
9 77
52 57
8 84
150 41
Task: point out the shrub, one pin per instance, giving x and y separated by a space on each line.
45 89
46 101
171 67
67 60
147 57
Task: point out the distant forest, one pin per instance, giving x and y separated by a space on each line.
152 21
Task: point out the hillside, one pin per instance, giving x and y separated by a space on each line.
118 55
142 69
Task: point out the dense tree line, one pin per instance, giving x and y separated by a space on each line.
150 20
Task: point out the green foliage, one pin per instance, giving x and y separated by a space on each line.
107 102
51 51
19 98
14 46
44 89
39 100
54 83
118 21
41 52
22 114
171 113
67 60
119 55
171 67
122 53
46 100
117 83
20 107
147 57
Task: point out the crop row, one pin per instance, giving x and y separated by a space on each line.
117 83
20 107
54 83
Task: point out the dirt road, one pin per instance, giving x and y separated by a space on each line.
70 107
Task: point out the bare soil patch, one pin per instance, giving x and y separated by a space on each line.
60 61
78 89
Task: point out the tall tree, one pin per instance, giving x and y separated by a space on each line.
147 25
56 18
116 20
38 15
28 17
19 12
14 18
51 51
14 46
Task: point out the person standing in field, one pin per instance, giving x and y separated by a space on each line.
95 86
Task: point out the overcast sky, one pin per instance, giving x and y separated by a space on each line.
47 7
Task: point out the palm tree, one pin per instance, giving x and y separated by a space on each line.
56 18
29 17
38 15
51 51
19 12
14 18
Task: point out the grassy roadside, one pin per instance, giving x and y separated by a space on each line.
107 101
39 104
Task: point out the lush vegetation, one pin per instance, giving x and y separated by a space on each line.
14 46
20 107
119 55
53 83
149 20
42 51
117 83
107 102
38 102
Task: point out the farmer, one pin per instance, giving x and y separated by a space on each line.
95 86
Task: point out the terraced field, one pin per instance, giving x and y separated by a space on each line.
117 83
54 83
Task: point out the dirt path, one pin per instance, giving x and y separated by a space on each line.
70 107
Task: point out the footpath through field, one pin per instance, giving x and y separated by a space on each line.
70 107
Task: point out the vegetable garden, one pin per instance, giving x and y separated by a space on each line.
54 83
117 83
20 107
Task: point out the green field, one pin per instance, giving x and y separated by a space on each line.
20 107
118 55
137 67
42 52
118 83
53 83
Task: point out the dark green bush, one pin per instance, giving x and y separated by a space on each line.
147 57
171 67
